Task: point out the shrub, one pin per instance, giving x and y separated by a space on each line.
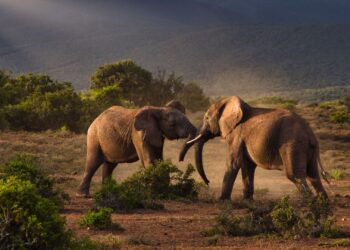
280 219
170 87
193 98
258 221
49 110
162 180
284 217
338 117
134 81
28 220
26 167
100 219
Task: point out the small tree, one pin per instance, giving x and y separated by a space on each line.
172 87
96 101
134 81
193 97
166 88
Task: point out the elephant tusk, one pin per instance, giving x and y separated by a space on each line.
195 139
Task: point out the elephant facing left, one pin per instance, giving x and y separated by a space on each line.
121 135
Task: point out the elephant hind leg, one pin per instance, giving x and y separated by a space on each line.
248 171
295 163
107 170
94 159
314 177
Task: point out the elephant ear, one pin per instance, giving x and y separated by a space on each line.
146 120
176 105
233 112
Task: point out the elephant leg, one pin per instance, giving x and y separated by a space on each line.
295 163
232 169
93 160
248 171
158 153
314 177
146 153
107 170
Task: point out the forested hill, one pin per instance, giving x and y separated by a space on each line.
228 46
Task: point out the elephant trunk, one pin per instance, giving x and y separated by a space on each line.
202 137
199 157
192 134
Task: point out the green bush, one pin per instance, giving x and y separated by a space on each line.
100 219
134 82
284 217
95 101
171 87
36 102
27 219
338 117
280 219
49 110
193 98
27 168
258 221
162 180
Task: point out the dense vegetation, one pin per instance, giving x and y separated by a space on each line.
29 210
37 102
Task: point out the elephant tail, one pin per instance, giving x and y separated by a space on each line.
324 174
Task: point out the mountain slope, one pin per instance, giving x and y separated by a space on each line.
230 47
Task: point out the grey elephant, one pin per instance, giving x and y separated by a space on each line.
121 135
267 138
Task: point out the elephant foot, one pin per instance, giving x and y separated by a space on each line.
83 194
224 198
248 199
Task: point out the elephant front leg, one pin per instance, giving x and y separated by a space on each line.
229 178
149 154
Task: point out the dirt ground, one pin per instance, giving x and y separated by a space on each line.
179 226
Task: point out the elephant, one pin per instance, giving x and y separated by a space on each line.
259 137
122 135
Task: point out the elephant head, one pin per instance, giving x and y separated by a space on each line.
159 122
221 119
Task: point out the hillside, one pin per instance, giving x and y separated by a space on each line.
229 47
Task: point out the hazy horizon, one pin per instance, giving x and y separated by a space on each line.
226 46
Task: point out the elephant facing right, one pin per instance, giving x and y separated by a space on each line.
267 138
